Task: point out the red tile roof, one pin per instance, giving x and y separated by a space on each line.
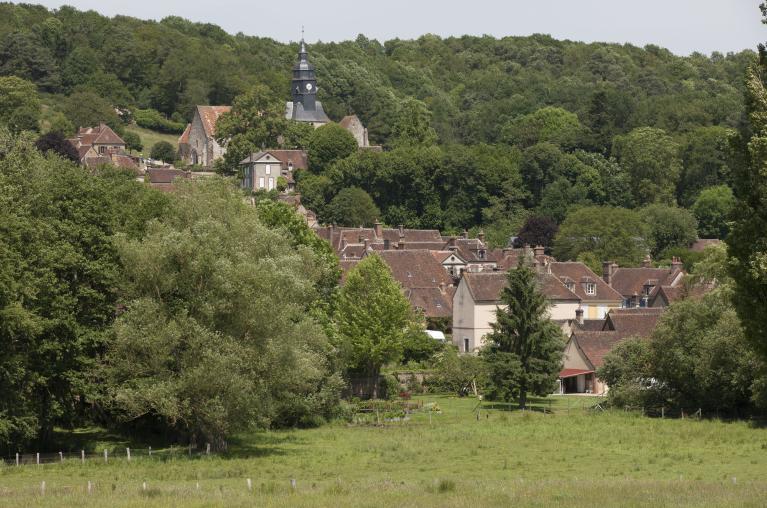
596 345
184 138
487 286
631 281
433 302
164 175
209 116
639 322
577 274
416 268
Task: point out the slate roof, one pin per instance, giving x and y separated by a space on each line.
578 274
295 111
209 116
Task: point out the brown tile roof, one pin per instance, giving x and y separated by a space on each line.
596 345
633 322
436 246
347 265
487 286
631 281
443 255
124 161
411 235
433 302
577 274
299 158
106 136
163 175
589 325
184 138
702 243
416 268
209 116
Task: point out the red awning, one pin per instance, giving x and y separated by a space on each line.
573 372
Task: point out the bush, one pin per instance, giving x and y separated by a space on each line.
456 373
153 120
163 151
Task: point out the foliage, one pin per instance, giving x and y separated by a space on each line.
712 209
55 142
705 158
328 144
546 125
413 125
606 233
133 141
86 108
651 158
457 373
163 151
372 318
152 119
232 346
352 207
255 121
747 240
524 351
669 227
537 231
19 104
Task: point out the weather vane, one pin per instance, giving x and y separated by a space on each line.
302 32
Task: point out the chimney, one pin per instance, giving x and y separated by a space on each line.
647 262
579 315
608 268
465 234
451 243
401 230
365 243
481 236
540 251
676 263
402 243
378 228
387 244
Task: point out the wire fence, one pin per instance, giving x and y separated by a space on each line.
106 455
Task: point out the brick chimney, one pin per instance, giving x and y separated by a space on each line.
401 230
366 244
451 243
676 263
579 315
481 236
647 262
608 269
540 251
465 235
378 228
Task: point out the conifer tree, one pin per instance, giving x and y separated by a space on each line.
524 351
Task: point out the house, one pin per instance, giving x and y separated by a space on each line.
586 348
163 178
636 284
97 146
262 170
451 261
597 297
479 295
198 145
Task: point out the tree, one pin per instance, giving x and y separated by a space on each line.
19 104
21 55
256 121
712 209
546 125
413 125
328 144
651 158
133 141
223 341
747 240
86 108
297 135
58 144
537 230
605 233
705 162
163 151
372 318
352 207
524 351
669 227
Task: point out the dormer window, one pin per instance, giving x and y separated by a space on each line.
591 288
570 286
290 166
481 254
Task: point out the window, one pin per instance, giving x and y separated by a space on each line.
261 182
271 183
465 344
268 169
290 166
570 286
591 288
481 254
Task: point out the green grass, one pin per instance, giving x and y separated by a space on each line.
149 137
504 458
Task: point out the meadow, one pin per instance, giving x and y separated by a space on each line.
149 137
572 456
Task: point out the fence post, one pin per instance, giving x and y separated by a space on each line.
127 453
662 412
682 413
250 485
42 488
17 458
293 483
190 449
150 451
90 487
106 456
38 458
82 456
61 456
207 448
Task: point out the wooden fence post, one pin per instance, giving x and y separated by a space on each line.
127 453
82 456
42 488
207 448
150 451
61 456
17 458
106 456
250 484
38 458
90 487
662 412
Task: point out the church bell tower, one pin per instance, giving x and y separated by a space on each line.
305 107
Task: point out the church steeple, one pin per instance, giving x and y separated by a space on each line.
305 107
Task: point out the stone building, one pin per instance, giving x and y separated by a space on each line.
305 107
198 145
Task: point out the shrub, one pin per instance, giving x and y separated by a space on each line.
154 120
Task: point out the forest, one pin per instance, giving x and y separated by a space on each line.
479 132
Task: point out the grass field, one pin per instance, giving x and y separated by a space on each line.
570 458
149 138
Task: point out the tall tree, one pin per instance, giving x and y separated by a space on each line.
372 318
524 350
328 144
352 207
747 240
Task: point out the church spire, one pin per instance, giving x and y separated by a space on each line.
305 106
